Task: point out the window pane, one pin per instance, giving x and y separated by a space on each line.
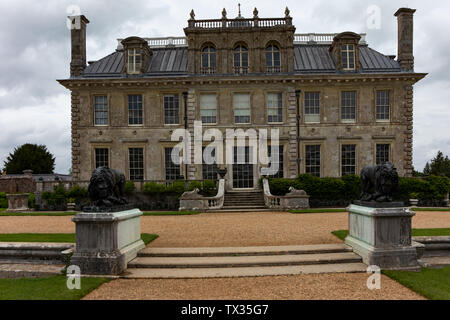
172 169
312 107
275 107
348 159
348 105
171 109
241 102
134 109
383 105
382 154
136 163
101 157
276 157
209 171
100 110
312 160
208 103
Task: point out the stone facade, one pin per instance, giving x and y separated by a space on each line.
330 132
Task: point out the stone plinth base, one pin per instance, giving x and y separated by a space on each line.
382 237
106 242
17 202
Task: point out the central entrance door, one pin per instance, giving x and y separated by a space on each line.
242 168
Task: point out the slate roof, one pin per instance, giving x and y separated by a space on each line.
307 59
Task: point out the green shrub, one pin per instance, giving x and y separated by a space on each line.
209 188
153 187
129 187
195 184
31 201
78 193
57 197
3 200
341 191
177 187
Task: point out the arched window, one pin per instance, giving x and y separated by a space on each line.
273 58
241 59
208 59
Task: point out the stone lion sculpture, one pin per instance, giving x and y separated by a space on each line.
382 179
106 187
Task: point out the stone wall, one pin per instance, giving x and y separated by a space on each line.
17 185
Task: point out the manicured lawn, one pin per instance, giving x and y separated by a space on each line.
55 237
170 213
49 288
2 209
430 283
71 213
317 210
341 234
431 209
36 213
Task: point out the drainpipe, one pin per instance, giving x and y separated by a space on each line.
185 94
297 96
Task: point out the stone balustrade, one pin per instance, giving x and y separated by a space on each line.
295 199
193 201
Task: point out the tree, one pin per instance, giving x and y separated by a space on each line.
30 156
439 166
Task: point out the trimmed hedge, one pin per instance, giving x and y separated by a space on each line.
330 192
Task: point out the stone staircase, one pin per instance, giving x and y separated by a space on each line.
19 259
241 201
243 261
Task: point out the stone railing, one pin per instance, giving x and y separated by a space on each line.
240 23
321 38
299 38
192 200
295 199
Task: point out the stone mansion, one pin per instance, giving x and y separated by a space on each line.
339 105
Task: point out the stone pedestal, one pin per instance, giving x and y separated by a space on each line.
17 202
106 242
382 237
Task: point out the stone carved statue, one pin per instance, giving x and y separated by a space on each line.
191 195
192 14
383 179
106 187
295 192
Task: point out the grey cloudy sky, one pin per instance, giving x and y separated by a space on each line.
35 51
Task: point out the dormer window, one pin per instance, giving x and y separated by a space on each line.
345 50
272 58
348 56
241 59
208 60
136 55
134 61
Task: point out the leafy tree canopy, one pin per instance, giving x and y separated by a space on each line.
30 156
439 166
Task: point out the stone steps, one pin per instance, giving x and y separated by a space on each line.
37 253
243 261
236 200
243 251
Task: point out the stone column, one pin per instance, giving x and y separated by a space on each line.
405 18
76 151
191 110
408 141
292 121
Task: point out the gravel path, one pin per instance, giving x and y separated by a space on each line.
239 229
302 287
226 229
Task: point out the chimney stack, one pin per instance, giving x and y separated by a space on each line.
78 39
405 54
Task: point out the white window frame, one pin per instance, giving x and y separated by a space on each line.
208 107
346 49
134 67
242 106
311 117
275 105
